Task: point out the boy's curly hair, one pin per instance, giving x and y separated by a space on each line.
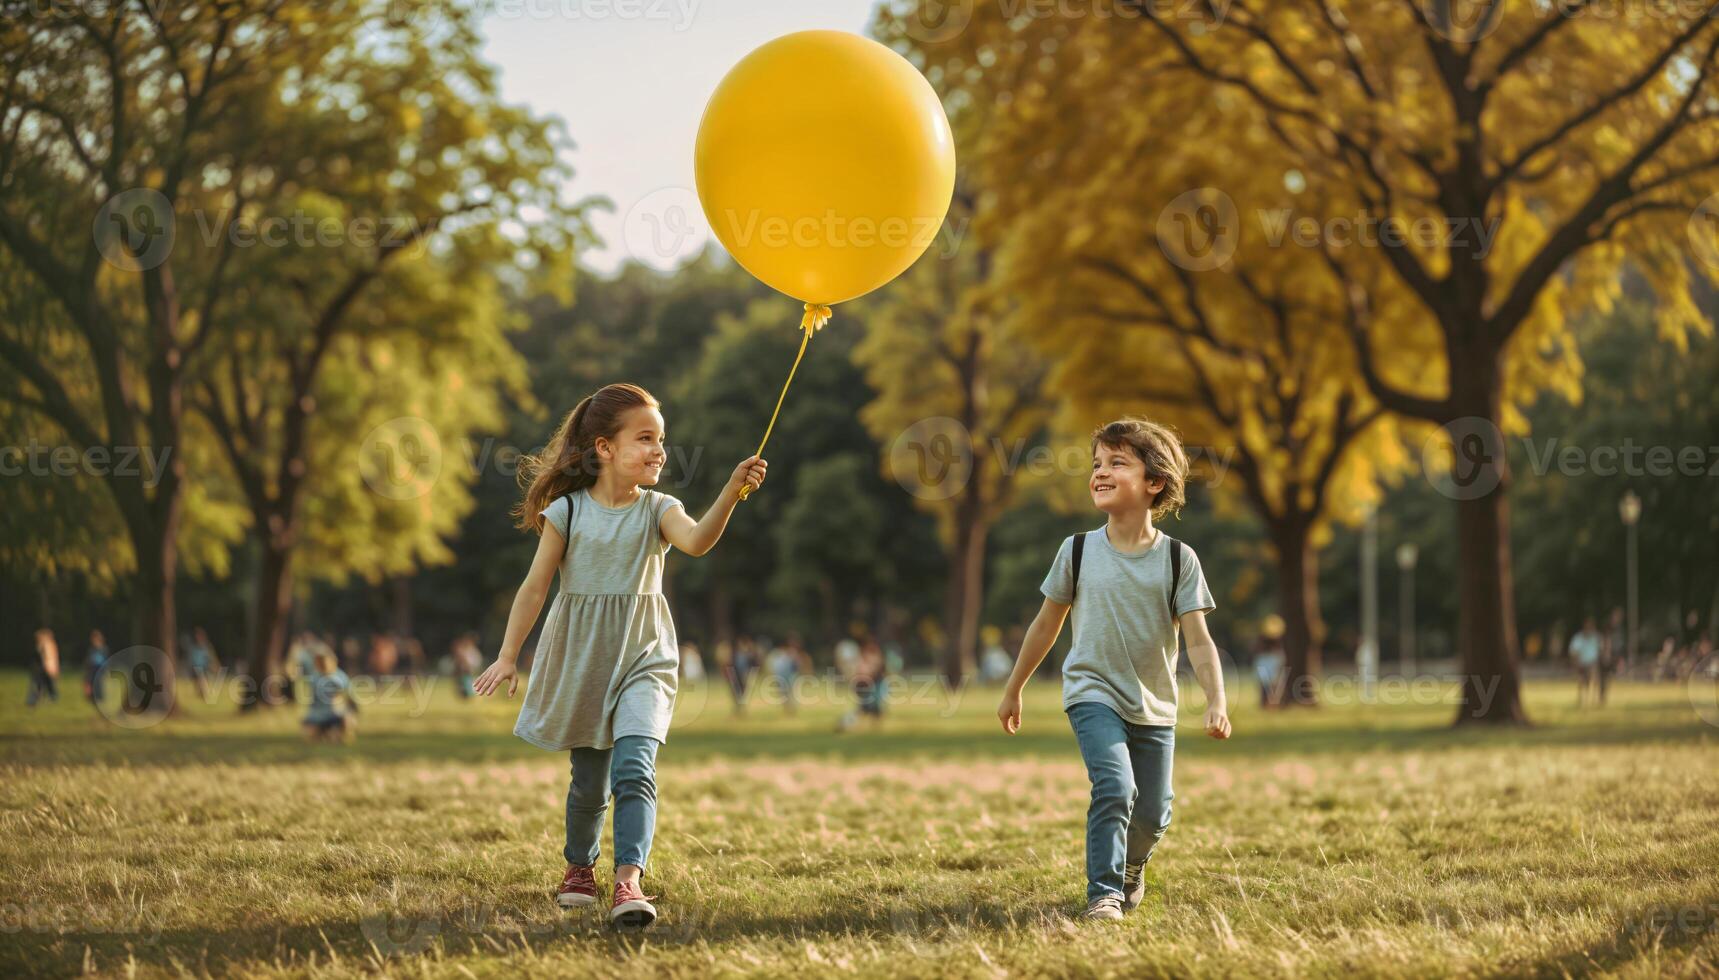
1159 448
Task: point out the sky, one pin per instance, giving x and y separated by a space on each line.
630 79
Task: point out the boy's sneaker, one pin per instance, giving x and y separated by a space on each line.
1104 907
578 887
1133 885
632 908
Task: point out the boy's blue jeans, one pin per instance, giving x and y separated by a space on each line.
1129 766
630 771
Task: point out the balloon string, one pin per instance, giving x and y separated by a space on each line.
811 322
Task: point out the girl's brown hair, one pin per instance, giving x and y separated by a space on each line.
570 462
1160 449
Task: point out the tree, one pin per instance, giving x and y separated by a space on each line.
417 191
1248 366
829 543
1644 424
958 398
79 124
715 415
1532 188
232 141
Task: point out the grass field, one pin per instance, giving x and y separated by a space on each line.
1355 840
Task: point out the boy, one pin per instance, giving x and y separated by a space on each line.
1129 591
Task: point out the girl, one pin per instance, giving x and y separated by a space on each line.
1119 682
603 683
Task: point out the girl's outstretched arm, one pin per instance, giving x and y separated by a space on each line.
527 603
1041 636
695 539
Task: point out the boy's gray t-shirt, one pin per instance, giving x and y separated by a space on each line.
1125 647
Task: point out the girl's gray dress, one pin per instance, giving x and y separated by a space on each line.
607 662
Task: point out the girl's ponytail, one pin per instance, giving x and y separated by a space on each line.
570 463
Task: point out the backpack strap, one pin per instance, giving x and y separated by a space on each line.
1175 568
1079 543
567 538
1175 572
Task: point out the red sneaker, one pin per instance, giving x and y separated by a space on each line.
632 909
578 887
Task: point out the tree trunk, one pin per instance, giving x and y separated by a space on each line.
1486 620
1298 603
721 615
965 599
155 539
267 654
157 613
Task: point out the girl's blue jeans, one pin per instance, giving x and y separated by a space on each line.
1129 766
629 771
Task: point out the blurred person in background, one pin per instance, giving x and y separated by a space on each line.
413 649
1662 661
1269 661
870 687
467 662
332 715
1585 657
201 660
730 674
94 661
44 669
995 663
352 655
691 663
301 664
384 654
746 662
786 663
1614 652
848 652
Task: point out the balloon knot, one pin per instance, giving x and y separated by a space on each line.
817 314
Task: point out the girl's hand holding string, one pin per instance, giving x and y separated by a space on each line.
750 473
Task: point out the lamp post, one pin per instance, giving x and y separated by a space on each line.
1629 508
1367 657
1407 555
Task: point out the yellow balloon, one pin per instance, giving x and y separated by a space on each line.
825 164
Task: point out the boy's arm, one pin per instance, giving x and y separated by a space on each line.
697 537
1203 654
1041 636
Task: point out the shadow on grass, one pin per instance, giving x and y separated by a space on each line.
392 938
